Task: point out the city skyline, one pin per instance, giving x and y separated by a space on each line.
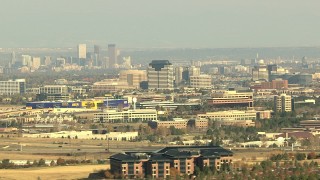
144 24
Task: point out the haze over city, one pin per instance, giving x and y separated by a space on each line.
160 24
140 89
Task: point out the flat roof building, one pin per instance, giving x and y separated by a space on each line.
201 81
229 115
11 87
113 116
231 99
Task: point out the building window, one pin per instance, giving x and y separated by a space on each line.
137 172
124 167
167 171
154 167
137 167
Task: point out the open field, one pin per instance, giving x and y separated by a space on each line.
48 173
17 148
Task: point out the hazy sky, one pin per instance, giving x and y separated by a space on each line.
161 23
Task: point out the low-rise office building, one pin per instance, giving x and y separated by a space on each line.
201 81
113 116
231 99
177 123
11 87
229 115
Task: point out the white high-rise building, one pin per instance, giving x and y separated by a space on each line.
26 60
178 75
82 51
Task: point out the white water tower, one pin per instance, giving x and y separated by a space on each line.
134 100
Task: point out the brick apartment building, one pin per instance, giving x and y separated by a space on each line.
158 164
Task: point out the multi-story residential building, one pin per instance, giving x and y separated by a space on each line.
160 163
283 103
231 99
201 81
160 75
133 77
229 115
11 87
112 116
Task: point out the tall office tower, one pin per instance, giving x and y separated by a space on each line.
112 53
260 72
13 59
194 71
127 62
160 75
26 60
178 75
82 51
133 77
36 62
96 55
47 60
283 103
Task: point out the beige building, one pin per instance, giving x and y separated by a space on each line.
201 81
201 123
194 71
133 77
283 103
82 51
177 123
110 85
260 72
229 115
36 62
178 75
231 98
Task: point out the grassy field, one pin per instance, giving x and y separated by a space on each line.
48 173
